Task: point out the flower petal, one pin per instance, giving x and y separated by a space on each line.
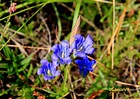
67 60
90 50
88 41
54 47
39 71
78 36
48 77
54 57
85 72
48 70
57 73
55 63
65 43
85 65
79 63
72 47
44 62
93 62
80 54
61 51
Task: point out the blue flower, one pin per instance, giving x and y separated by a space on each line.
82 46
61 53
85 65
48 70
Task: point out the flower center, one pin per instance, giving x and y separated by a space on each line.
49 73
63 54
80 48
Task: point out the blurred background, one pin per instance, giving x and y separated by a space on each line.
27 34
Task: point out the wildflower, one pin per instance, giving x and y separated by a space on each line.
82 46
48 70
85 65
12 8
61 53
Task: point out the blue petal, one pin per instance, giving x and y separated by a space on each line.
55 63
81 71
48 77
93 62
48 66
80 54
90 64
78 36
54 71
44 62
65 43
79 63
90 68
85 65
72 47
85 72
88 41
61 61
54 47
54 57
89 50
57 73
67 60
79 39
39 71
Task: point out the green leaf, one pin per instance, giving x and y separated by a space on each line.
25 63
7 52
103 77
49 91
4 65
27 60
6 91
30 71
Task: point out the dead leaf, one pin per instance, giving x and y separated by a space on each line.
20 47
75 30
93 95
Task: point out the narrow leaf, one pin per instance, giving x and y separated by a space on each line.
30 71
76 30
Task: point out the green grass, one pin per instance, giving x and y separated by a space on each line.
28 33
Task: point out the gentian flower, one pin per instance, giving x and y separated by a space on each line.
82 46
85 65
61 53
48 70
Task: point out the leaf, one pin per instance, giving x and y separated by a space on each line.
26 60
76 30
64 87
7 52
30 71
94 94
49 91
9 89
25 63
4 65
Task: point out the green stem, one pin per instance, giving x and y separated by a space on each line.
58 21
76 14
23 25
19 11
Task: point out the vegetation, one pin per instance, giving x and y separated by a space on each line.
29 29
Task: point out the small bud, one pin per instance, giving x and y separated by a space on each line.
12 8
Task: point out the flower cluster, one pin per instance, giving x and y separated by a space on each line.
80 48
